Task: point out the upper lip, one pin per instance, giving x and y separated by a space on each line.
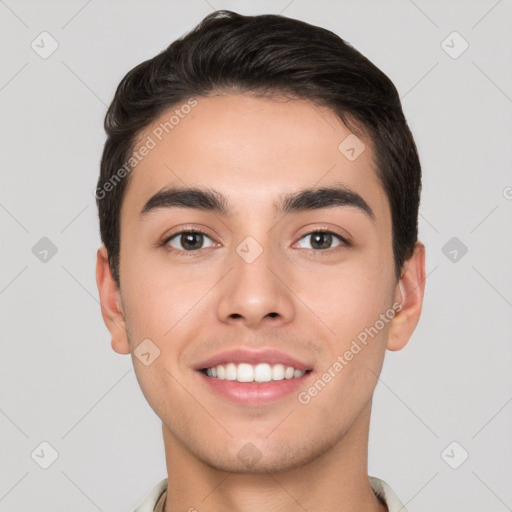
237 356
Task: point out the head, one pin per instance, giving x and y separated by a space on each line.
258 132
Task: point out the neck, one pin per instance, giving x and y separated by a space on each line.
335 480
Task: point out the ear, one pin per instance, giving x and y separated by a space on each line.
111 304
409 293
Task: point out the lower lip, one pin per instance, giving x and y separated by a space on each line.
253 393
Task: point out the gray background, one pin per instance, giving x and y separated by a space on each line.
61 382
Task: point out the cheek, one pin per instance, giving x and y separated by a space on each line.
350 302
346 379
347 298
165 304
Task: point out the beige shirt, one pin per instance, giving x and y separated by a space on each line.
155 500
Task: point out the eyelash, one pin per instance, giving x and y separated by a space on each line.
342 239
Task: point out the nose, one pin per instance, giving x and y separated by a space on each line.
256 292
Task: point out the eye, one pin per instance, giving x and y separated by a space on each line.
191 240
322 240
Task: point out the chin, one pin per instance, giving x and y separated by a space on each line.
262 458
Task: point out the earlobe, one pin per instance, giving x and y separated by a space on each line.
409 293
111 304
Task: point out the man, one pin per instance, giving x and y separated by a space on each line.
283 153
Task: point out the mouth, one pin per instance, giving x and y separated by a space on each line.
253 378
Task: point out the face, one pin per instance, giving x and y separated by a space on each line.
265 283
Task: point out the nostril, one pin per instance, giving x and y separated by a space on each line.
273 314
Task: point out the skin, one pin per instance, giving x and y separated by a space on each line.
313 456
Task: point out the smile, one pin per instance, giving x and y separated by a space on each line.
249 377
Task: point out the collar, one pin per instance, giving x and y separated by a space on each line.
380 488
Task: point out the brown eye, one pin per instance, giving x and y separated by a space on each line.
322 240
187 240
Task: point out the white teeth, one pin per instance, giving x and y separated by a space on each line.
278 372
245 372
231 371
263 373
288 373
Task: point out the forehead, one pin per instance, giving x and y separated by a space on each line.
253 150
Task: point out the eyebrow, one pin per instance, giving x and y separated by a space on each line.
207 199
